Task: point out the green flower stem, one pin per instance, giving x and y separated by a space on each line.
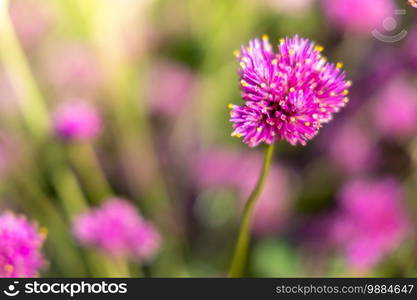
241 249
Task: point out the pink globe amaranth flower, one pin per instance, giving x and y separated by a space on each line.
176 84
372 221
395 111
358 16
117 229
225 168
20 247
76 120
288 95
361 157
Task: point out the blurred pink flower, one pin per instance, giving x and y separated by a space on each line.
117 229
175 85
352 149
413 3
359 16
77 120
73 70
20 247
395 111
226 168
31 19
372 221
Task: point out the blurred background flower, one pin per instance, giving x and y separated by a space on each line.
117 229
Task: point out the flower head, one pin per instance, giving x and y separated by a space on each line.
413 3
20 247
76 120
117 229
289 94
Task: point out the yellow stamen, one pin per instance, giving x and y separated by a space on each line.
319 48
43 231
235 134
